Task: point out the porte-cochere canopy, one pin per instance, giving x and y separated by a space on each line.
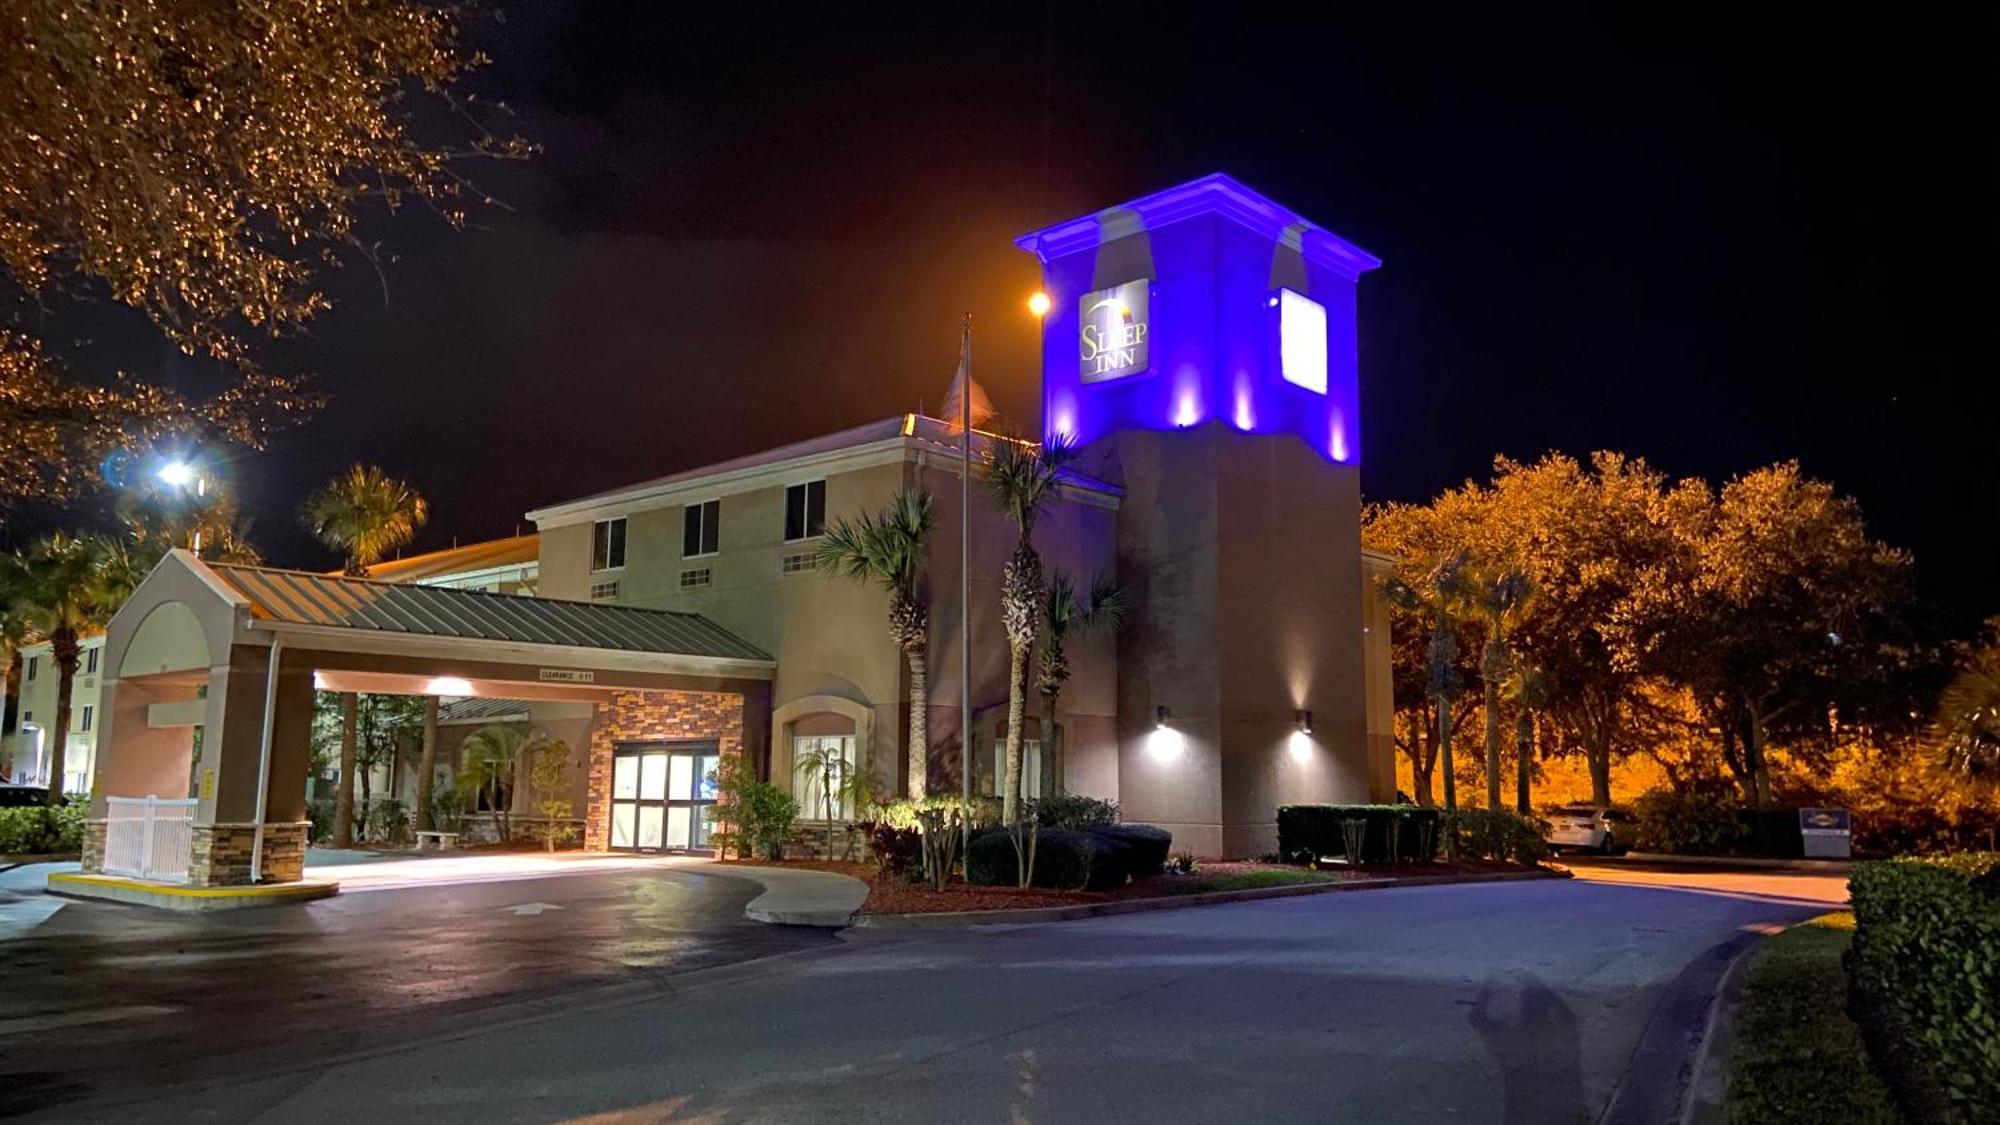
210 671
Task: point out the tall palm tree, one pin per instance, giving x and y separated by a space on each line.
1437 597
1020 479
1065 614
64 599
365 513
1965 734
1497 598
1526 691
889 550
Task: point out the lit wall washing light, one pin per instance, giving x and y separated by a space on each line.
1039 304
1303 719
1300 745
448 685
1161 715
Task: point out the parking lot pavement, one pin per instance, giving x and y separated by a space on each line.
99 998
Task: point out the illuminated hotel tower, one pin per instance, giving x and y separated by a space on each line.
1201 351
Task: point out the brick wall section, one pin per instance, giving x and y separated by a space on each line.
222 854
652 716
93 846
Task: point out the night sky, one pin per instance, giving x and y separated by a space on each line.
1714 241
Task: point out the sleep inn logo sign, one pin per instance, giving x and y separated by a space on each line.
1113 334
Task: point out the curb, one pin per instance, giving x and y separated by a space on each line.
1708 1083
1819 866
171 896
1175 902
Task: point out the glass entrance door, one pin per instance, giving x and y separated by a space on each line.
660 793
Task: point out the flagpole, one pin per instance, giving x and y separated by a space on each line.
965 573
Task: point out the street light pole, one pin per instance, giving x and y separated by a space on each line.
965 575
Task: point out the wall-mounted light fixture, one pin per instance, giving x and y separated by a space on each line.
1160 717
1303 719
448 685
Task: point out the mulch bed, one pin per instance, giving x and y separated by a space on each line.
892 895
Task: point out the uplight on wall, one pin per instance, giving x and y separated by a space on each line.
1160 717
1303 719
1165 743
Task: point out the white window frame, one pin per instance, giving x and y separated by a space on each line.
89 713
806 520
702 505
624 546
90 659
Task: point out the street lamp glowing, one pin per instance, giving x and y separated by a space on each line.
178 474
1039 304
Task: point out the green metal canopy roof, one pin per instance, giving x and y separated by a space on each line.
298 598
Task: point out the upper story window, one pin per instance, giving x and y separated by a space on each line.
805 511
89 713
34 662
90 661
701 529
607 544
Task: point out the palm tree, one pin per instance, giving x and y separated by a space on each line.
365 513
889 550
1437 598
1497 598
1066 613
1965 734
490 757
63 599
1020 479
1526 691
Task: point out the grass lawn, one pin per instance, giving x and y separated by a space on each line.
1797 1057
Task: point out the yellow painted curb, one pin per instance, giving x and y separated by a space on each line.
175 896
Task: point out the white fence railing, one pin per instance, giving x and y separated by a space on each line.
150 837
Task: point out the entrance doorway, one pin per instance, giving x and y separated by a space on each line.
660 794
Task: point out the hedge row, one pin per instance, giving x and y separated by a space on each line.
1096 858
1925 978
43 830
1387 833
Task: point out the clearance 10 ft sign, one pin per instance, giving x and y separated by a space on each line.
1113 330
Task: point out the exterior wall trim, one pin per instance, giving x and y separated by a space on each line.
507 652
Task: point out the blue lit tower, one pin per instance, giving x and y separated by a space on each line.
1200 349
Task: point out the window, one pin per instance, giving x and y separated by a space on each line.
793 564
691 579
818 760
601 590
1031 768
607 544
90 661
805 511
89 712
34 662
700 529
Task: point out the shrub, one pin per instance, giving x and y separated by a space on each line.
43 829
768 813
1072 811
389 821
1064 859
1183 863
1390 833
1499 835
897 851
1925 978
1686 823
319 812
1148 846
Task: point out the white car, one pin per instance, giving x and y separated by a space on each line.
1594 827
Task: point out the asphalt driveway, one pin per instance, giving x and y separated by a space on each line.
1521 1002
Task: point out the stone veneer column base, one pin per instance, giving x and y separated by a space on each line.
222 854
93 845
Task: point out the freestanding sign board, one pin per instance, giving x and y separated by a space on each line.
1826 833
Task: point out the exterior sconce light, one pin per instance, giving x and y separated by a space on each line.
1303 719
1161 715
